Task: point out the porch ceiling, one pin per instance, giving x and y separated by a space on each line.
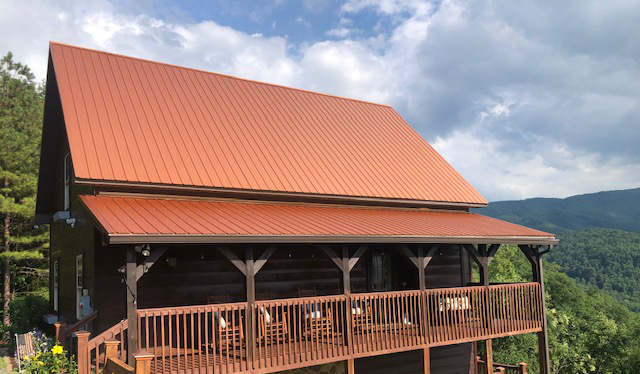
133 219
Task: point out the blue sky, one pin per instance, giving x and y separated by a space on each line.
525 98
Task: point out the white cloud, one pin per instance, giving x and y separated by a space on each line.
542 105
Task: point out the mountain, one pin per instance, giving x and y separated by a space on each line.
609 209
604 258
599 237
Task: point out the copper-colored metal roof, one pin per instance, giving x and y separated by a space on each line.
137 121
130 219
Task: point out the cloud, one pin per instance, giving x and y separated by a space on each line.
524 99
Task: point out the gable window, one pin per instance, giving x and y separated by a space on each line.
79 285
380 271
56 284
67 180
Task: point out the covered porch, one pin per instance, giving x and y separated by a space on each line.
378 298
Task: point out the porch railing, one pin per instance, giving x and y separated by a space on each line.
300 332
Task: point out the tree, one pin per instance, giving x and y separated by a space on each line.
589 331
21 110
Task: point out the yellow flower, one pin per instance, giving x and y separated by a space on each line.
40 363
56 350
37 355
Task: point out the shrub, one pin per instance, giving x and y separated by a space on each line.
49 358
26 313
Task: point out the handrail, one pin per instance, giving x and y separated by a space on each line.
63 331
298 332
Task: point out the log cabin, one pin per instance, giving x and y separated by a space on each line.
222 225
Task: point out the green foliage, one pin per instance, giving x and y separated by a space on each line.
589 331
23 245
27 311
603 258
49 360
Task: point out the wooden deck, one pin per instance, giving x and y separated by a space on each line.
292 333
275 358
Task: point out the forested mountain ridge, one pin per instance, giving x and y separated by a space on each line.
609 209
605 258
599 237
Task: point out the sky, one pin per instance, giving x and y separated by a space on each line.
524 98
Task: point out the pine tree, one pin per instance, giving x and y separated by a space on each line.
21 109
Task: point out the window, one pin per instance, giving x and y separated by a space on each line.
380 272
56 284
67 181
79 286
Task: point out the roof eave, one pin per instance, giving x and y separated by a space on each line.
280 195
228 239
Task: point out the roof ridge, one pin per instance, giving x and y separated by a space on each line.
221 74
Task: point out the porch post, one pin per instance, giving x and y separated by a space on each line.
132 305
543 337
488 355
346 282
426 361
421 267
251 299
484 280
425 324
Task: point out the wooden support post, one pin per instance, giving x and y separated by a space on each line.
132 305
251 300
60 333
523 367
488 356
351 366
111 350
421 267
83 352
143 362
346 283
426 361
543 337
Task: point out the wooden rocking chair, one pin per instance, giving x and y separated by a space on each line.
273 327
362 318
318 326
230 337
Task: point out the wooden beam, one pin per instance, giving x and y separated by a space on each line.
475 255
332 255
351 369
264 257
356 256
346 284
148 262
404 249
426 366
493 248
132 304
430 254
531 256
543 336
251 300
422 283
488 355
237 262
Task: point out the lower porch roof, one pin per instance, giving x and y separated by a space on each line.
141 219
